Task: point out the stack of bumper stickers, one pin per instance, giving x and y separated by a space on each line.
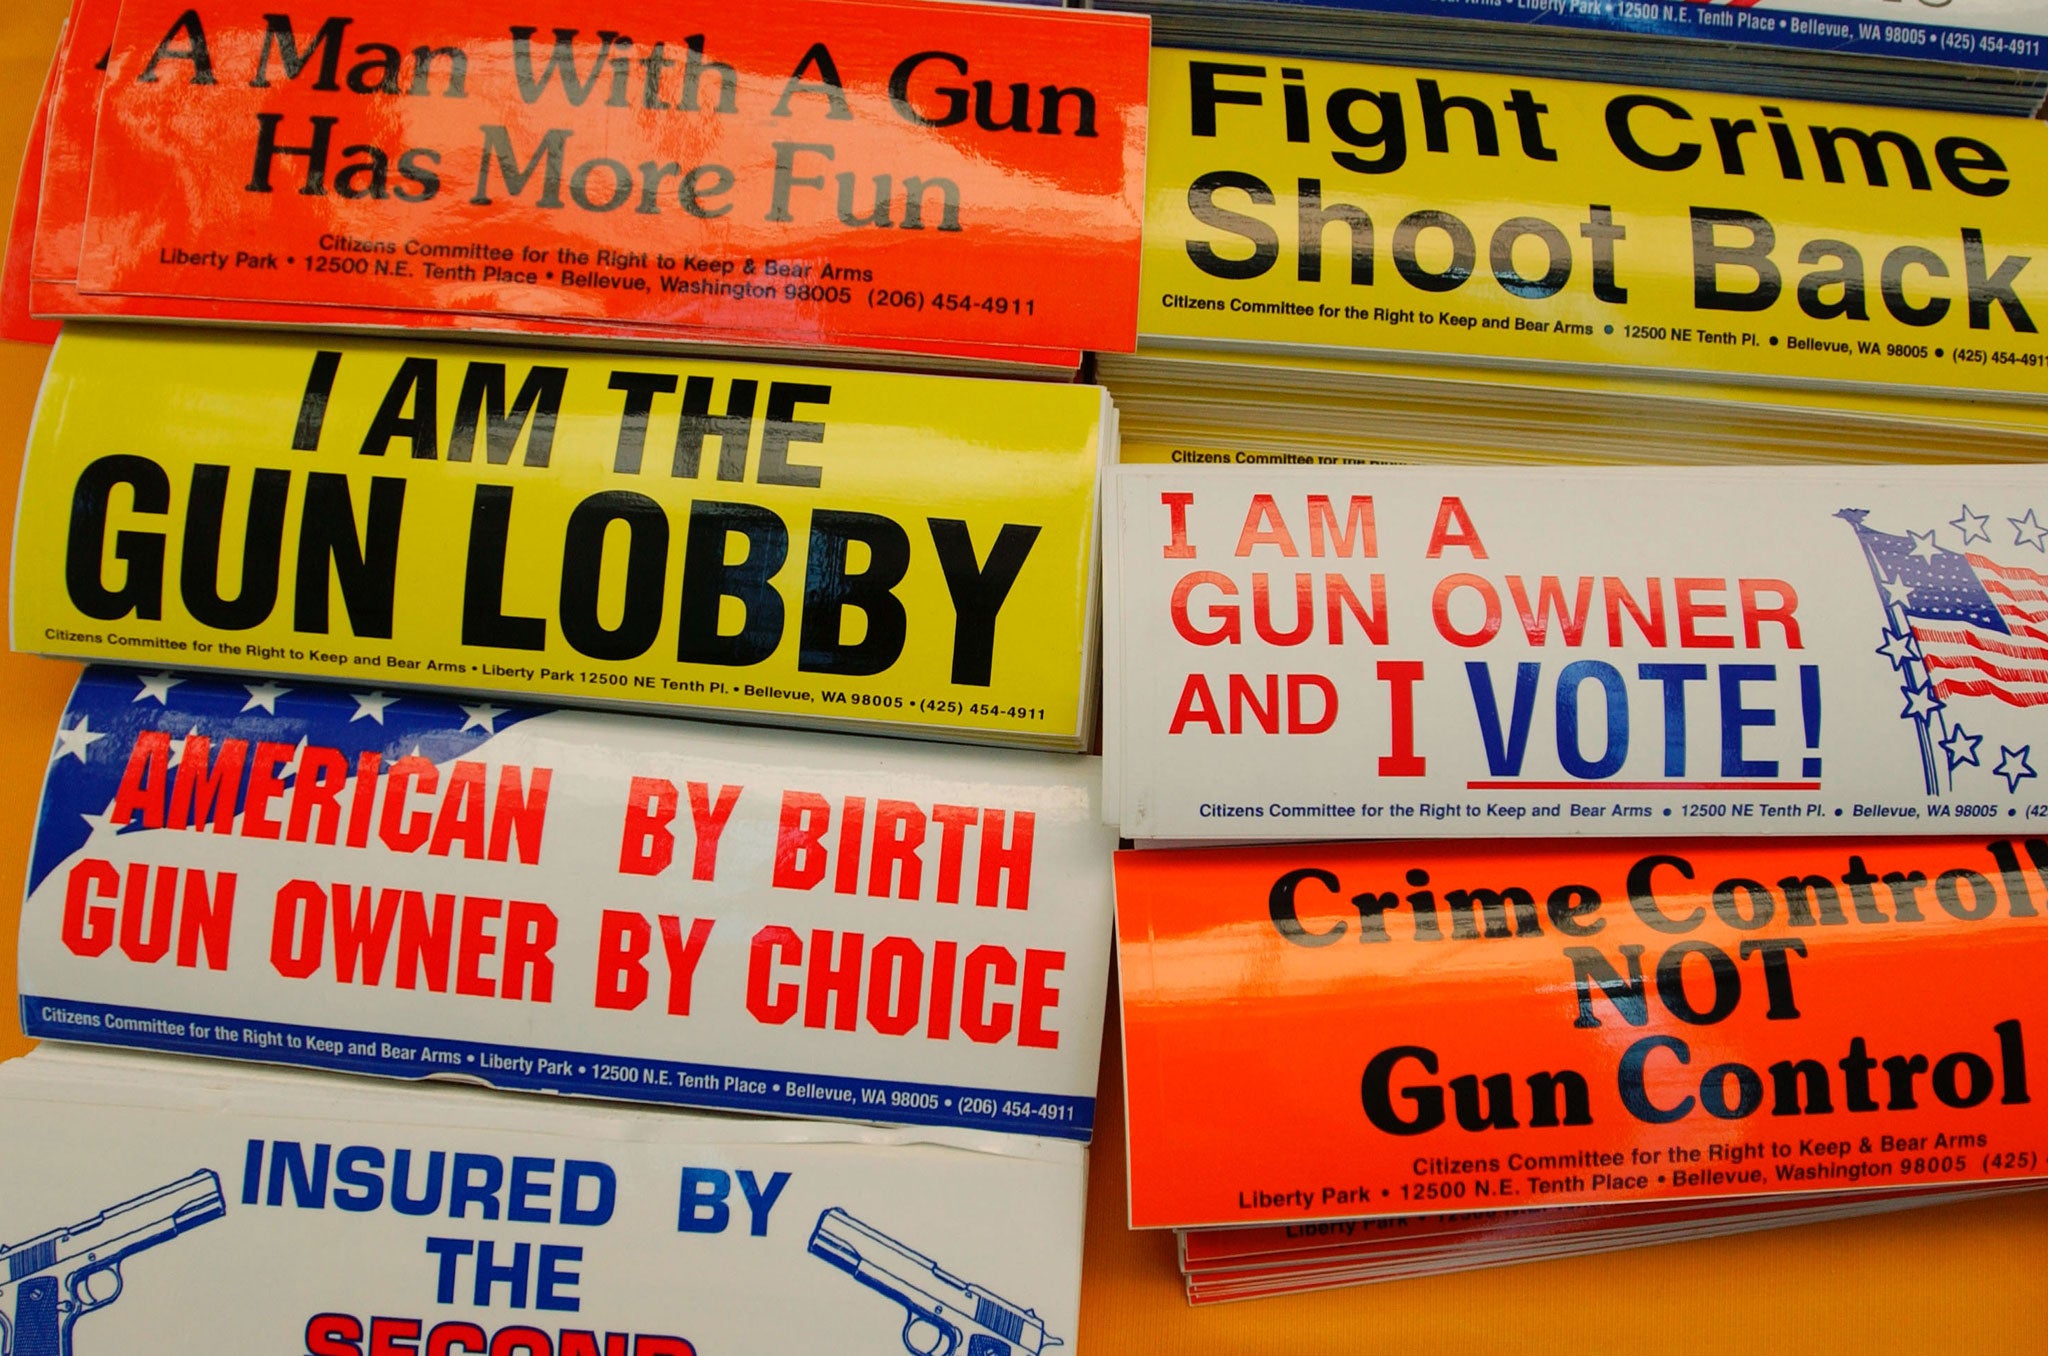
824 1002
1661 275
1642 952
1990 56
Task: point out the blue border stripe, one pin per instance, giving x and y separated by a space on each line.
527 1068
1896 38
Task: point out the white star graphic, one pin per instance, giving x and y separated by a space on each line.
290 766
483 717
1901 647
76 740
2013 766
178 748
370 704
1973 526
157 686
1896 591
1920 702
1923 545
1961 748
101 823
263 695
2030 532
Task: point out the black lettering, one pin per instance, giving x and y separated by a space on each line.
262 542
141 590
365 567
978 590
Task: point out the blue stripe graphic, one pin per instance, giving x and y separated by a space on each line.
528 1068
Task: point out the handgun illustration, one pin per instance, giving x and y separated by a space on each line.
51 1281
946 1315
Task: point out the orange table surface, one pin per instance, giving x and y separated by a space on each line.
1970 1278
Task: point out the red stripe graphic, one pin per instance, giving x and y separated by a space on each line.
2007 571
2000 586
1975 688
1979 641
1984 666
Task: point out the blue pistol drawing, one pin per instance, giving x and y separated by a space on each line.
946 1315
51 1281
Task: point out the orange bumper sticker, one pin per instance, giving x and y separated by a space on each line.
1358 1030
846 172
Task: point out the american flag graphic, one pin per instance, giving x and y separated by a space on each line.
111 706
1963 626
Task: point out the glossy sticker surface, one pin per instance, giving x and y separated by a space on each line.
1498 219
873 549
854 172
1352 1030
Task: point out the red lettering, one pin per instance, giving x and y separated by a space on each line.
424 941
1297 721
648 846
1401 676
1228 631
137 904
1243 699
939 1024
203 790
683 955
1690 611
521 1340
387 1335
899 833
1197 705
264 787
1357 530
834 984
953 821
622 941
1550 597
984 1022
409 836
316 789
473 945
143 781
1263 526
462 813
895 979
364 798
708 818
1304 610
88 929
297 927
520 814
159 908
1618 600
1177 517
362 932
333 1335
799 850
1037 996
206 917
1755 613
1338 599
853 814
997 859
772 1003
442 1339
1440 610
530 930
1454 528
